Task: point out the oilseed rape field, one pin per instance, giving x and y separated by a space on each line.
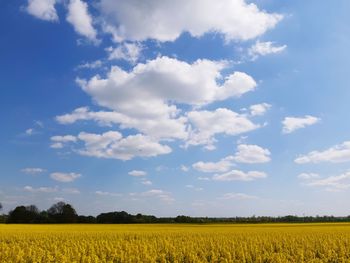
175 243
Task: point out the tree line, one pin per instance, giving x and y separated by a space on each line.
62 212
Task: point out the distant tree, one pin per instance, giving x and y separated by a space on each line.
62 213
24 214
0 206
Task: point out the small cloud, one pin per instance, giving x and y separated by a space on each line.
237 196
259 109
146 182
236 175
126 51
184 168
291 124
307 176
91 65
33 171
103 193
43 9
137 173
264 48
337 154
29 132
40 189
65 177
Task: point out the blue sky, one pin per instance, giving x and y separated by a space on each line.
167 108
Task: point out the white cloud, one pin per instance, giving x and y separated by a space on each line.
43 9
125 51
166 20
163 83
331 183
40 189
155 193
64 139
29 132
251 154
259 109
236 175
57 145
166 79
162 127
206 124
307 176
78 15
33 171
65 177
58 142
264 48
203 178
336 154
146 182
184 168
237 196
214 167
245 154
290 124
102 193
137 173
113 146
162 80
91 65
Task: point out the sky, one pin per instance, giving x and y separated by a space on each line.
198 108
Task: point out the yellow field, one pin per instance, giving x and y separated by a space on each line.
175 243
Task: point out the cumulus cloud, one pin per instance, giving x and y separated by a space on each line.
259 109
291 124
58 142
126 51
251 154
33 171
206 124
214 167
40 189
167 20
236 175
65 177
78 15
237 196
165 83
336 154
331 183
43 9
264 48
165 79
113 146
245 154
137 173
161 127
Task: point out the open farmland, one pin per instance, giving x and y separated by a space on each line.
175 243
